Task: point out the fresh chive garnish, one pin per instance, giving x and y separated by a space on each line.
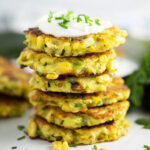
95 147
147 147
72 145
21 138
50 16
78 105
20 127
63 25
69 14
90 24
97 22
14 147
65 18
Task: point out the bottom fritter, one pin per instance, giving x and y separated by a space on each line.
111 131
12 106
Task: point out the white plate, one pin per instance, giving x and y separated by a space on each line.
9 133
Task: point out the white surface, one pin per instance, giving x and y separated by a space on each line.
75 28
136 138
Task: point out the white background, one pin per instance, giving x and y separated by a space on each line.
133 15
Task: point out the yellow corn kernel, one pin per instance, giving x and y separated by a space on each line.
52 76
102 149
111 67
40 42
58 145
32 128
64 66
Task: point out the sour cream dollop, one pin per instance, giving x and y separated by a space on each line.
75 28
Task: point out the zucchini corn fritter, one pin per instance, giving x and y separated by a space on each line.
111 131
12 106
91 117
117 91
74 46
13 81
53 67
72 84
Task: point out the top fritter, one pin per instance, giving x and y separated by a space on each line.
67 34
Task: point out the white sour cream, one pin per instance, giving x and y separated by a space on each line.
75 28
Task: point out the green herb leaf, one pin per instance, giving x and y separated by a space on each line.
21 138
21 127
72 145
97 22
147 147
14 147
50 16
138 81
95 147
144 122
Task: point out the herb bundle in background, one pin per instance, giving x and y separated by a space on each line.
139 83
11 44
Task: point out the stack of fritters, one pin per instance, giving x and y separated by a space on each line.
14 89
75 95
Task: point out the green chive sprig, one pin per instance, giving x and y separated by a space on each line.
65 19
21 138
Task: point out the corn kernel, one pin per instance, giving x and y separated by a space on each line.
52 76
64 66
32 128
58 145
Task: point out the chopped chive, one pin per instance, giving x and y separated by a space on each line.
79 18
63 52
14 147
49 84
45 64
21 138
50 16
20 127
69 13
45 108
63 25
90 24
58 18
78 105
72 145
62 122
95 147
97 22
147 147
86 18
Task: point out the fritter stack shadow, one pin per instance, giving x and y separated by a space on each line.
75 95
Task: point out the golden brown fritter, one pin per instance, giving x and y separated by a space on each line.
13 81
90 84
74 46
53 67
11 106
91 117
111 131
